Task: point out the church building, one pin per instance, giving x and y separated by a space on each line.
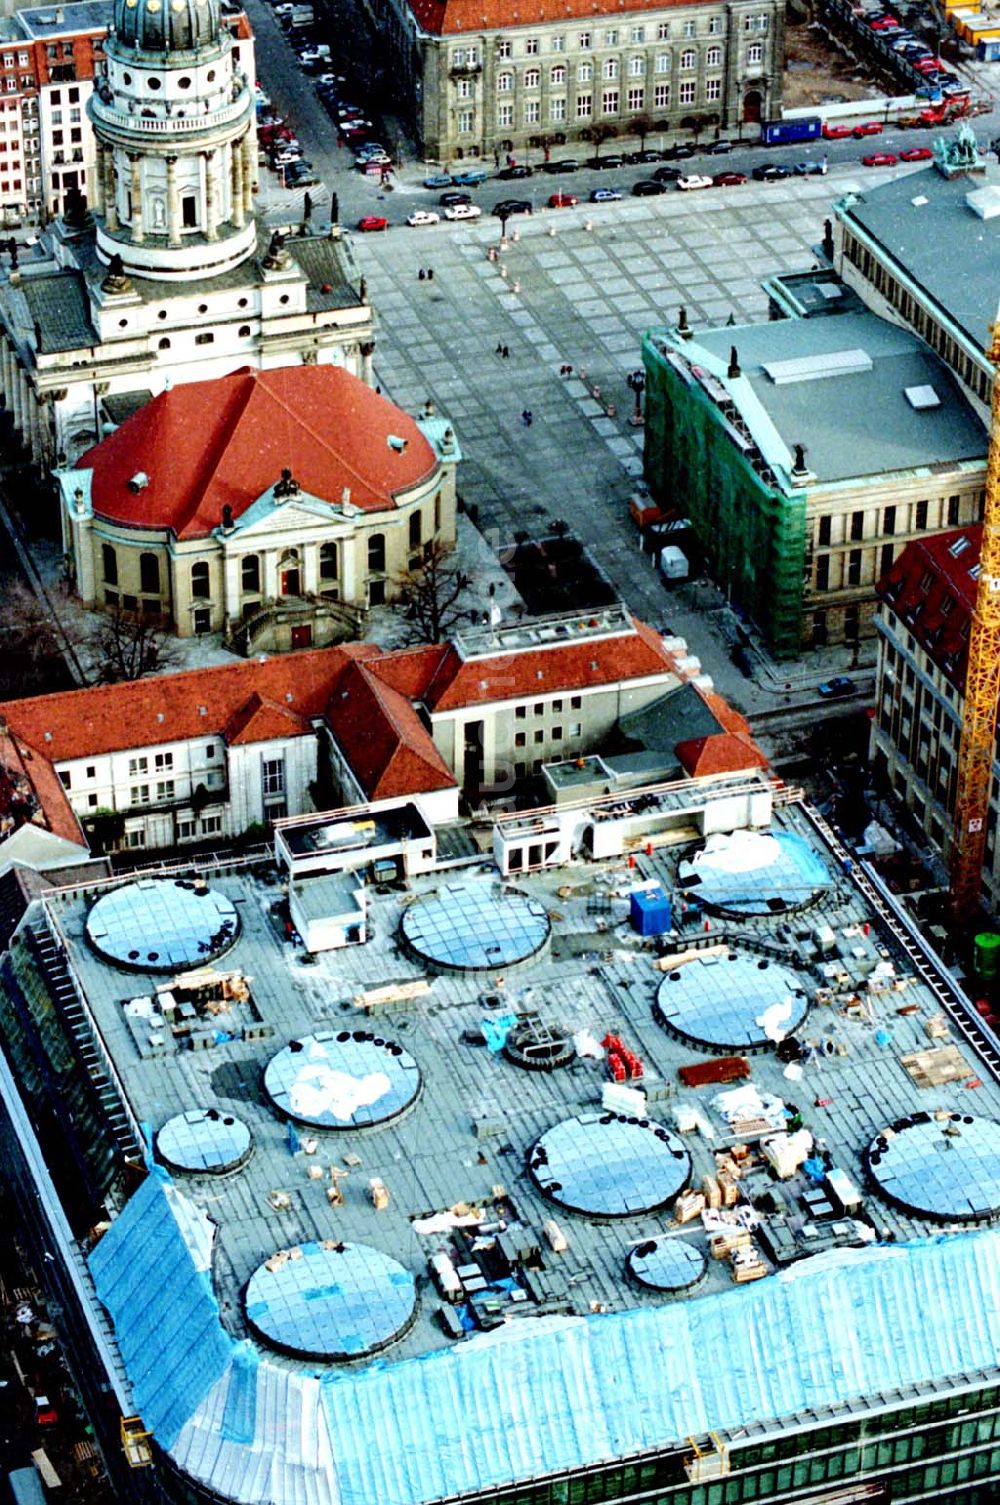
169 277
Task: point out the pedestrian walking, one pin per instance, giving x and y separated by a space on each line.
496 158
421 275
506 352
430 274
499 348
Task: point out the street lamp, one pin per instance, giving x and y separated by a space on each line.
636 383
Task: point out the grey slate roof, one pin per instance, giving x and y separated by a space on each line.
923 222
856 424
59 305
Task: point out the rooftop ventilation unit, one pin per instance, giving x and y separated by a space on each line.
139 481
818 367
984 202
396 443
922 398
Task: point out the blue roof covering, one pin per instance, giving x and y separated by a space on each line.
540 1396
151 1270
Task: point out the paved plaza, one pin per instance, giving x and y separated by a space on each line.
581 297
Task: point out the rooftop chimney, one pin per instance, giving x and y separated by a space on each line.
734 364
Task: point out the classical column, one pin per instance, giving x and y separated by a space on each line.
34 425
366 351
18 401
236 215
110 191
211 205
7 366
247 175
138 230
173 204
99 178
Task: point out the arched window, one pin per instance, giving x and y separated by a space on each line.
755 53
532 78
110 561
558 74
713 57
505 83
164 344
200 580
689 58
376 554
328 561
149 574
611 67
250 573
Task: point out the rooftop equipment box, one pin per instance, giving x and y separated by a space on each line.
651 912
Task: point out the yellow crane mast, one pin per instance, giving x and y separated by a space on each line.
982 686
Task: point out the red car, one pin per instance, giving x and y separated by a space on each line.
835 132
879 159
867 128
562 200
729 179
374 222
916 154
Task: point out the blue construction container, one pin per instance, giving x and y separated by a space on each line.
651 911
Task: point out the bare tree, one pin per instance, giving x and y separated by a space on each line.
433 595
598 134
643 126
128 645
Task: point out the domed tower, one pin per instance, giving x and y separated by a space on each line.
176 148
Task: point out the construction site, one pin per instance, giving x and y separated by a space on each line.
523 1188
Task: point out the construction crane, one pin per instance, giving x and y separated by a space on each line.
982 687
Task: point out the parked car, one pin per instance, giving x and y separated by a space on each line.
879 159
647 187
604 195
517 170
720 148
837 687
678 153
916 154
867 128
423 217
449 200
562 200
462 211
438 180
648 154
567 164
470 177
668 174
506 207
694 180
372 161
601 164
770 172
811 169
373 222
728 179
835 132
300 176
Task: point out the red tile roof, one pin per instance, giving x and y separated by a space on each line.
728 752
175 707
31 793
932 588
447 17
389 749
546 670
206 445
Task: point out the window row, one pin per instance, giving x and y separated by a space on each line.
583 105
611 68
615 36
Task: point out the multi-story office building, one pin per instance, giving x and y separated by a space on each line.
476 82
926 605
806 452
